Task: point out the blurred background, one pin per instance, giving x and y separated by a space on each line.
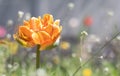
87 26
104 13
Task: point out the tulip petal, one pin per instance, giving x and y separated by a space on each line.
56 32
25 32
49 29
47 19
23 42
42 38
26 23
45 36
46 45
35 23
57 22
37 38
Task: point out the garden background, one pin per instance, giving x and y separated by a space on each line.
89 43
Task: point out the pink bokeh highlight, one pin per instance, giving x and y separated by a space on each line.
2 32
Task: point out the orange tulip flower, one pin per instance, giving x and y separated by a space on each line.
39 31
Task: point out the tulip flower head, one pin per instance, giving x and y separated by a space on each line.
39 31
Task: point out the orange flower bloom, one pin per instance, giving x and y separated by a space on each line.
39 31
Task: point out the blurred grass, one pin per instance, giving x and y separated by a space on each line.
60 66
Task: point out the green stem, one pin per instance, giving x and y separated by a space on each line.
97 53
81 46
38 57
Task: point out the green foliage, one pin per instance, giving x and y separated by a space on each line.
65 67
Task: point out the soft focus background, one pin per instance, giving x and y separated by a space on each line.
87 26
